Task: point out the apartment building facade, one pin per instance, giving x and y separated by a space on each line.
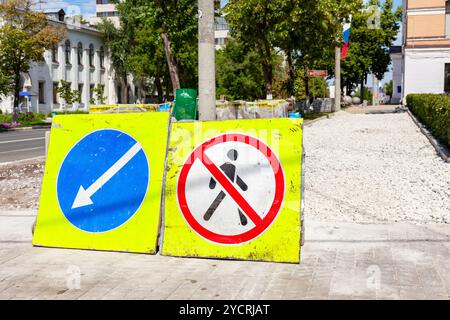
105 9
81 59
426 47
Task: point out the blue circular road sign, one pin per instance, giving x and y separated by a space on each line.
103 181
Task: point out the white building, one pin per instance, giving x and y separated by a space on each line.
81 59
106 9
221 33
397 74
426 47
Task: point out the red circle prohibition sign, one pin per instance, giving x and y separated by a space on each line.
261 224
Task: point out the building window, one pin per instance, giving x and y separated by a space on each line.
91 55
55 54
55 92
447 77
80 53
447 18
41 92
220 41
102 57
399 89
67 45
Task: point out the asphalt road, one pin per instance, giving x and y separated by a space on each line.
20 145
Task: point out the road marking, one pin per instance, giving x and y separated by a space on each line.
20 150
83 197
22 140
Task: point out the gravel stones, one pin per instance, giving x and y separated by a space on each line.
370 168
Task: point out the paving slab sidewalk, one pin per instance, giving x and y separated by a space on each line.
339 261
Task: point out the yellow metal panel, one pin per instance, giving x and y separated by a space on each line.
140 232
280 241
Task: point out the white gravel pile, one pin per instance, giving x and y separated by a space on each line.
374 168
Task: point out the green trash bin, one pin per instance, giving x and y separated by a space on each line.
186 105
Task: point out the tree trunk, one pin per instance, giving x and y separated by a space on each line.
291 72
167 82
306 79
16 96
159 88
267 68
171 61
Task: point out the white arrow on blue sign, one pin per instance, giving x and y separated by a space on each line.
103 181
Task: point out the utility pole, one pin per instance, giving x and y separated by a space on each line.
337 84
206 61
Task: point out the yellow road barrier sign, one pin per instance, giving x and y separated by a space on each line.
102 182
233 190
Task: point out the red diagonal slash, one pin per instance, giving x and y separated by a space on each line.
230 189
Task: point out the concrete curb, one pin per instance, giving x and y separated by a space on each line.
22 161
30 128
441 150
328 116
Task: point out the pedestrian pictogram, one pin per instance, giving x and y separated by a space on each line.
231 188
230 171
103 181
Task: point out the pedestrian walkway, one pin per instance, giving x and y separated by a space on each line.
339 261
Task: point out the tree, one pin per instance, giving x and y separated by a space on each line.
118 45
253 22
373 33
239 74
156 41
24 37
305 30
6 84
97 93
389 89
317 87
67 94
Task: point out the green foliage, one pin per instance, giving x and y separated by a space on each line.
307 31
389 88
253 22
433 110
368 96
67 94
239 74
6 83
137 46
318 87
98 97
25 119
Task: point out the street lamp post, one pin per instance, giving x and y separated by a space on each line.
206 61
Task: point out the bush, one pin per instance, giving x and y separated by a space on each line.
433 110
367 95
31 117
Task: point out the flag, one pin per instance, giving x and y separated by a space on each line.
346 40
